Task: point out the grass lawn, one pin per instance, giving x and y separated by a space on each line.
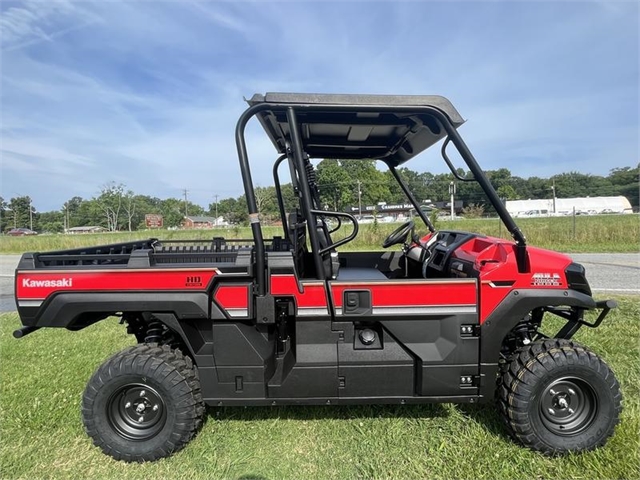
43 376
599 233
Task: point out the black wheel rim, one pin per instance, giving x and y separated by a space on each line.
568 406
137 411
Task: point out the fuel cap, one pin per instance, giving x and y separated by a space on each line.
367 336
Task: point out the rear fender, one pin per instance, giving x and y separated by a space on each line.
75 311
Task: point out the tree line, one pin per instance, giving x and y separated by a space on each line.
342 184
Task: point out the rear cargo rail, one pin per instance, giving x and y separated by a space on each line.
150 252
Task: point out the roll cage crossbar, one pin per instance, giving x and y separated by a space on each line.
295 152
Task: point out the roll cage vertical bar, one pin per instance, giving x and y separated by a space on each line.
276 180
306 200
247 182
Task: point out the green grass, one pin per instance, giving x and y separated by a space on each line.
603 233
43 376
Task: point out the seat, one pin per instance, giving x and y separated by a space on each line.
330 259
360 274
297 234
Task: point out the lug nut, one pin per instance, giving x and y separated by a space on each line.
143 393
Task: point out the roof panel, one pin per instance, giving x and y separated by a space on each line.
392 128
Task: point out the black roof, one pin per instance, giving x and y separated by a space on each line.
391 128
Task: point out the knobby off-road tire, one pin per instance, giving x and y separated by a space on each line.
556 396
143 404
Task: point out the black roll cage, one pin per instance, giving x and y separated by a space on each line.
295 153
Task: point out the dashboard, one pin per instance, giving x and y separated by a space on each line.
434 253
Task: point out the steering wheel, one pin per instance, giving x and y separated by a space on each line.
399 235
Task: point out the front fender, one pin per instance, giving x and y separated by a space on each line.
515 307
507 315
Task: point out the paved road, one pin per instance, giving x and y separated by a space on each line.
608 273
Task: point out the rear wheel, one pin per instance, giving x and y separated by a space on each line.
556 396
144 403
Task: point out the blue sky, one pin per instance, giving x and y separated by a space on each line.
147 93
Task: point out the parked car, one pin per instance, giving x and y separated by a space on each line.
20 232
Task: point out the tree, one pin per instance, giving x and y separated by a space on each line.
373 183
233 210
265 200
129 203
172 212
51 222
4 215
110 202
625 181
72 216
473 211
336 187
507 192
22 211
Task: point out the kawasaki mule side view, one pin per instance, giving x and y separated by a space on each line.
449 316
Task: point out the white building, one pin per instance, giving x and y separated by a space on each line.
565 206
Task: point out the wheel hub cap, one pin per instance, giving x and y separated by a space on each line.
136 411
568 406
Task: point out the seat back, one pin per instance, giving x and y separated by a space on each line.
330 259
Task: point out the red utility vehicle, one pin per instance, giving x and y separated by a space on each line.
449 317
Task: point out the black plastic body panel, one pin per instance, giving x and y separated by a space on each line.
68 309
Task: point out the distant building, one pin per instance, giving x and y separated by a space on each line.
200 222
88 229
566 206
403 209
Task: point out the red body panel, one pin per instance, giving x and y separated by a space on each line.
397 293
313 294
38 285
232 296
495 261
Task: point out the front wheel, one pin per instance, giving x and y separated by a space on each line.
143 404
556 396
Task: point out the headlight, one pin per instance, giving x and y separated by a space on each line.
576 278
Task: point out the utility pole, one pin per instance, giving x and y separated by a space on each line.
553 187
452 192
30 215
186 212
359 198
216 209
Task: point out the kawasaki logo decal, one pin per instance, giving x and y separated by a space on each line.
64 282
546 279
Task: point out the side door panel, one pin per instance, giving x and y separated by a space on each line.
426 334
